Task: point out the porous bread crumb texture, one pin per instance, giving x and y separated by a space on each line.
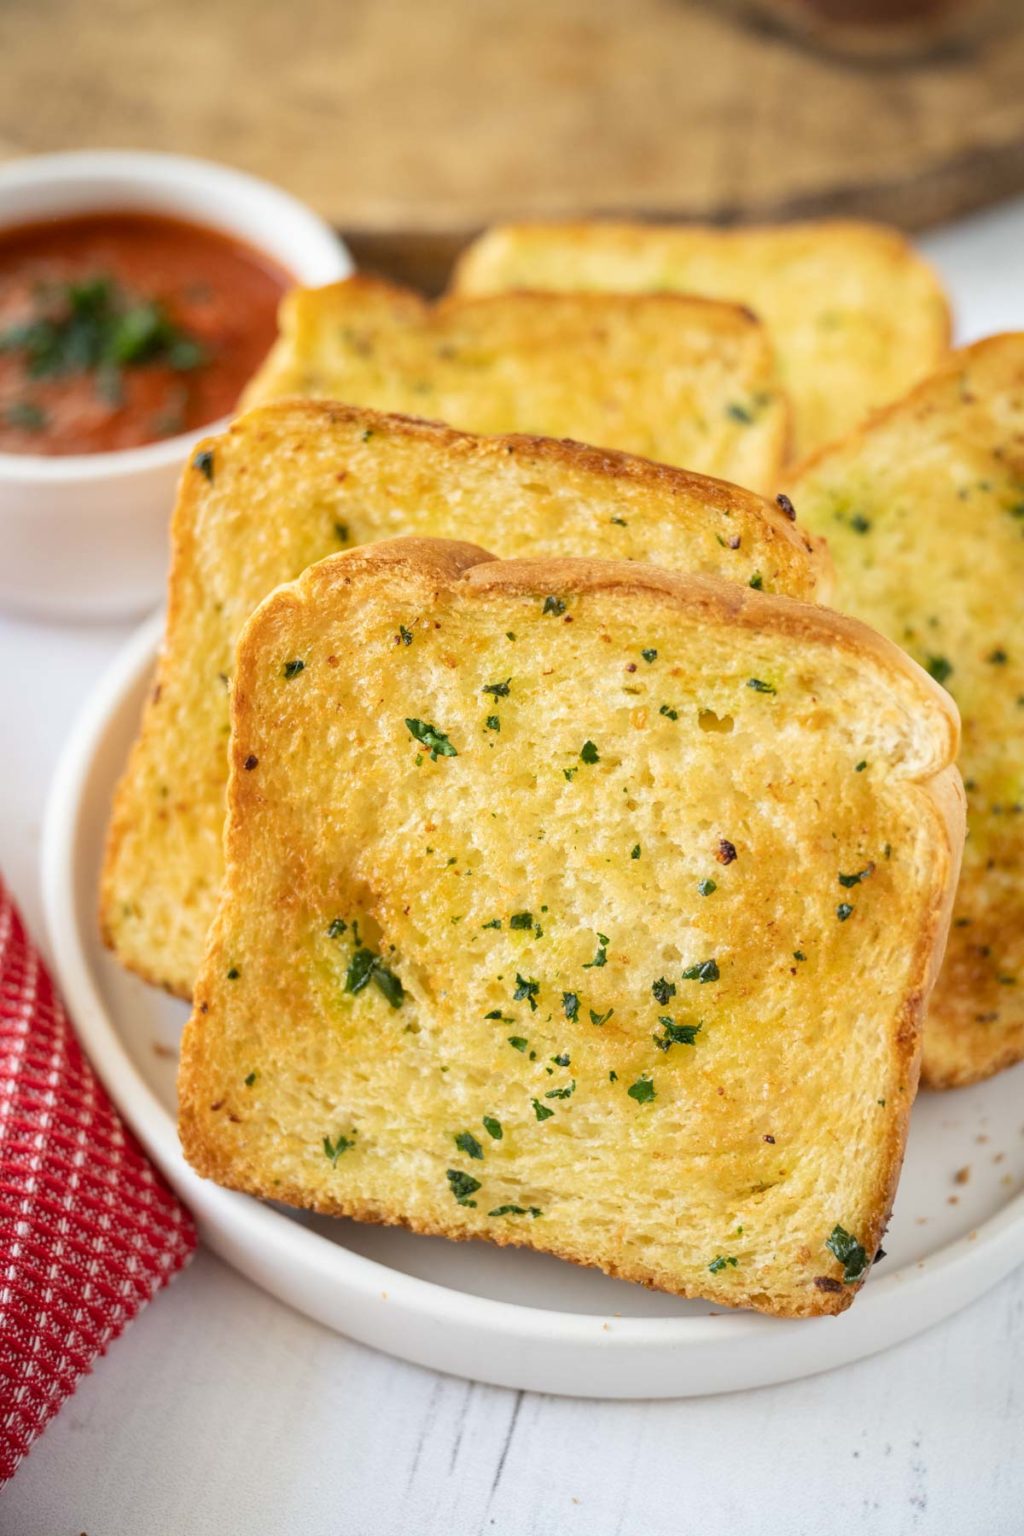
855 315
924 513
559 912
290 483
680 380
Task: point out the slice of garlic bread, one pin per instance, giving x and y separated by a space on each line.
292 482
561 909
924 512
855 315
684 381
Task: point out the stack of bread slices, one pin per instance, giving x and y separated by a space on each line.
559 845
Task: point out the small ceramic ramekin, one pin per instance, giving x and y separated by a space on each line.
85 536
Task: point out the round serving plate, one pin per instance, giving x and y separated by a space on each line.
504 1316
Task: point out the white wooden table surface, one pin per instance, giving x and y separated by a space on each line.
220 1411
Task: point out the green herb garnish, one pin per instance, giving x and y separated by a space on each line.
516 1210
720 1263
292 669
662 990
706 887
939 668
517 1042
589 753
497 690
541 1110
669 712
336 927
521 920
601 957
843 911
571 1005
341 1144
492 1127
759 686
676 1034
704 970
650 654
526 990
849 1252
757 582
642 1090
462 1185
600 1018
863 874
432 738
553 605
467 1142
366 966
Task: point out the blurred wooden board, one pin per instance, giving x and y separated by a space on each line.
411 124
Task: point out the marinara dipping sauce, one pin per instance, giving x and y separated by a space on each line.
119 329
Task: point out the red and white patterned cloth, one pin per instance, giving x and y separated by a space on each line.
89 1231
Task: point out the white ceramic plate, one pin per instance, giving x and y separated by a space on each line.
498 1315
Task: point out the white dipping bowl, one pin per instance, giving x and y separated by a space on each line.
84 536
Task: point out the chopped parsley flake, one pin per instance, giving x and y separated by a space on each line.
553 605
669 712
405 635
431 737
497 690
341 530
589 753
521 920
570 774
939 668
336 927
650 654
662 990
493 1127
562 1093
203 461
676 1034
562 1060
526 990
717 1265
541 1110
759 686
642 1090
704 970
757 582
863 874
798 954
292 669
366 966
849 1252
859 523
600 1018
341 1144
495 922
861 765
516 1210
843 911
467 1142
493 723
234 973
601 957
517 1042
635 851
707 887
571 1005
620 521
250 1079
462 1185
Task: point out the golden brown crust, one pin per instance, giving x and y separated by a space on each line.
440 564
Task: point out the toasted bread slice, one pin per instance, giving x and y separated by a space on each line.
684 381
856 316
571 922
295 481
924 512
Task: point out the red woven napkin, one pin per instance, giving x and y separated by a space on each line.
88 1228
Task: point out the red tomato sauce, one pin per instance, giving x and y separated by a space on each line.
119 329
